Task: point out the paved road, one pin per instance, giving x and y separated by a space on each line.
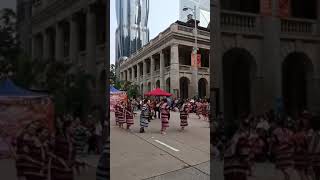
265 171
153 156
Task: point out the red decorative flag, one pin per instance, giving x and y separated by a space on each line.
199 60
284 8
266 7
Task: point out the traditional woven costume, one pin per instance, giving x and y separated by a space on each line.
81 137
27 149
165 114
301 150
121 115
314 152
129 116
283 148
204 110
37 169
236 157
116 113
199 108
65 151
145 112
103 168
184 115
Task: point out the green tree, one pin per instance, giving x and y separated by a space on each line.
112 75
8 40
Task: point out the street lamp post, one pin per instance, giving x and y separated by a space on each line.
195 49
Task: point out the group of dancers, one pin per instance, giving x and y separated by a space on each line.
124 113
291 147
41 155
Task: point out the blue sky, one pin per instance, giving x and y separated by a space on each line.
162 13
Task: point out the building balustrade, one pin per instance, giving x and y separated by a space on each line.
298 26
240 22
204 69
185 68
157 72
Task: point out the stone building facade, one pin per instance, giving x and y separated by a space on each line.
24 17
72 31
265 53
165 62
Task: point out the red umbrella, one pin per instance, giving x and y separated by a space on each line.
158 92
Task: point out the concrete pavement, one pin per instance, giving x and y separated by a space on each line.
151 155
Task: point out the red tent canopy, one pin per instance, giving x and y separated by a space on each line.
158 92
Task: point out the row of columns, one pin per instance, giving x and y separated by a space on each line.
125 73
173 72
43 41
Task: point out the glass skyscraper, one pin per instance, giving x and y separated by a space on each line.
132 32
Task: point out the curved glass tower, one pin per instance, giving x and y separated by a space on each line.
132 32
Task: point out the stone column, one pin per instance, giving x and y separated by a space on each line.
138 74
127 75
59 42
145 84
33 47
74 39
162 84
132 73
271 61
91 40
174 70
152 72
46 46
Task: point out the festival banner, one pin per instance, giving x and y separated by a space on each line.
116 98
16 113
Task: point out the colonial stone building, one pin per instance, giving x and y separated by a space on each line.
265 53
72 31
165 62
